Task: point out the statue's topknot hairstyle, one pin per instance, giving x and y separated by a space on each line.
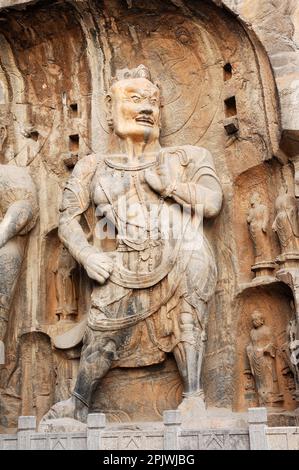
139 72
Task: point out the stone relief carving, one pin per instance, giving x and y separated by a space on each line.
150 294
290 354
261 353
258 220
19 213
66 295
65 356
286 223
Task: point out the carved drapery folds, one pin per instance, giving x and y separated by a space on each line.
258 224
261 353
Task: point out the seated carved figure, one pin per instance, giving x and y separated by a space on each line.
151 291
18 212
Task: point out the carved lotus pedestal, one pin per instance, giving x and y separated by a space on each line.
289 260
263 270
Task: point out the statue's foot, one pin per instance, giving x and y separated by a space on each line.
192 405
71 408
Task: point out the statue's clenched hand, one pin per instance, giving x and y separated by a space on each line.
98 266
158 179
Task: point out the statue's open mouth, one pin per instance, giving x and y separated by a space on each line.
145 120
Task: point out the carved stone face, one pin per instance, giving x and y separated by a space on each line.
134 106
257 319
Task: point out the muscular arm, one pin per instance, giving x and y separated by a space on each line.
70 230
18 215
206 193
199 186
75 201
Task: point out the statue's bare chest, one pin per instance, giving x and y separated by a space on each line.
122 187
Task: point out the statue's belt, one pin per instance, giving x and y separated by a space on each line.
113 324
141 280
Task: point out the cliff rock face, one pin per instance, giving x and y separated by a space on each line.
228 73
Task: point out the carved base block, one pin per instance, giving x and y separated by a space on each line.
288 260
263 269
194 415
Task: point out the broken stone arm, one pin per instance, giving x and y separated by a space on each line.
18 215
97 265
71 232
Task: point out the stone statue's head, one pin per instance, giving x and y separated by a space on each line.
133 105
257 319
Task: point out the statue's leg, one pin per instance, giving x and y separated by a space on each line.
189 353
98 352
96 360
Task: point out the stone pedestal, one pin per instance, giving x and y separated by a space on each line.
257 420
288 260
26 426
172 422
194 415
264 269
289 274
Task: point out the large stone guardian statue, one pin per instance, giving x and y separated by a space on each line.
151 291
18 212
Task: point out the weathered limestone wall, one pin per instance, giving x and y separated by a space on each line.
277 26
216 70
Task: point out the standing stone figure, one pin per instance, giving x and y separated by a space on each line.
286 223
18 212
290 353
150 293
65 286
261 353
258 219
